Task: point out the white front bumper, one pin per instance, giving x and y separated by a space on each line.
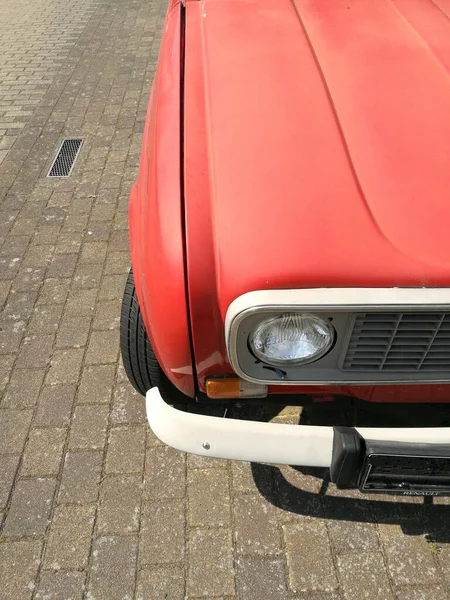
254 441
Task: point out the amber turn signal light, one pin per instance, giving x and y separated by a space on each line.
223 388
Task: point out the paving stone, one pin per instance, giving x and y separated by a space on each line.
93 252
261 578
103 347
120 503
24 226
6 365
107 314
74 222
11 335
60 199
62 265
54 291
128 405
163 532
28 280
113 568
309 558
103 212
30 508
68 243
81 477
209 498
211 571
8 469
256 526
352 536
112 287
363 575
60 585
410 560
388 508
47 234
70 537
73 332
53 214
301 479
14 425
55 405
126 449
45 319
121 374
432 593
8 267
19 563
17 246
81 206
96 384
88 429
117 263
65 366
5 287
165 473
121 220
203 462
19 306
81 302
36 352
318 596
43 451
244 482
119 241
161 582
23 388
38 256
88 276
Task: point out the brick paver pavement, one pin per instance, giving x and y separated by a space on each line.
91 504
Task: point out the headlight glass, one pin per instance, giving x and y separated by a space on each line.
291 339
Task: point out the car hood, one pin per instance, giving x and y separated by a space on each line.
317 145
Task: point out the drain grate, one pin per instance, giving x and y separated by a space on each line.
65 157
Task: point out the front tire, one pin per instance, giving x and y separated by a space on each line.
139 360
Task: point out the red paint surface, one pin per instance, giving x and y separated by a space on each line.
156 220
317 154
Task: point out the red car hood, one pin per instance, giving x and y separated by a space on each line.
317 146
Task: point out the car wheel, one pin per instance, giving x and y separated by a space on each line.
139 360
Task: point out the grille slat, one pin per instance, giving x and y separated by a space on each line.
406 342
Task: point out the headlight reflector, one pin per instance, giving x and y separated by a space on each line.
291 339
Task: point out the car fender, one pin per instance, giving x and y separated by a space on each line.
156 217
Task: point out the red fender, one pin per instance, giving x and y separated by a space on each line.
156 218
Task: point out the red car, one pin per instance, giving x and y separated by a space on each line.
290 231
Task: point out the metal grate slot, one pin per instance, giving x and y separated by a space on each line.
65 158
402 342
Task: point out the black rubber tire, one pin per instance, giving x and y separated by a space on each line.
139 360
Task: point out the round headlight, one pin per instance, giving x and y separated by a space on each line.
291 339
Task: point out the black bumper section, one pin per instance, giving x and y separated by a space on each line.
389 467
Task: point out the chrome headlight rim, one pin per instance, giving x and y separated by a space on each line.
299 362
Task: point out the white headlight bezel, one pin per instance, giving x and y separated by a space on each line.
282 363
340 304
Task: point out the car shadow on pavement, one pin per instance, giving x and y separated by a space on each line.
423 516
308 491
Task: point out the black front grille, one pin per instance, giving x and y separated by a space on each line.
407 342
